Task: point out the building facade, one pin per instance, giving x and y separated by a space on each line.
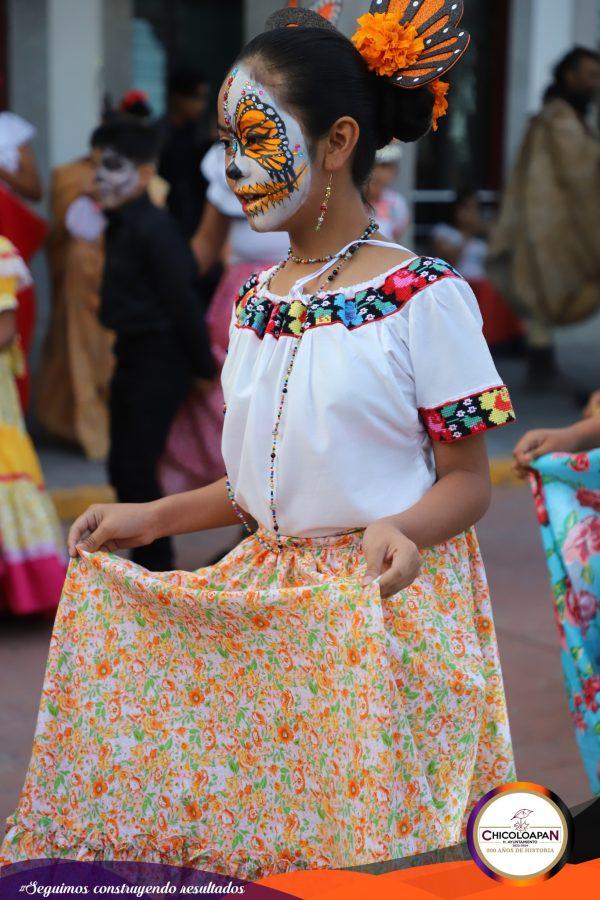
60 59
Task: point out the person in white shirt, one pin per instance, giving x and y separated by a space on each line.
463 243
390 208
193 456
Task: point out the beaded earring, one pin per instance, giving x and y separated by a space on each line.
324 204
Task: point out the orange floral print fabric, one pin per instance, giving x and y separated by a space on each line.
266 713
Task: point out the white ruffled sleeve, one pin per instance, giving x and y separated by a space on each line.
458 389
218 192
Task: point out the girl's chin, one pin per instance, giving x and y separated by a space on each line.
264 224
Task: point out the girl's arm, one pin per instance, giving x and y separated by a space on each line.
210 237
26 180
207 507
458 499
117 526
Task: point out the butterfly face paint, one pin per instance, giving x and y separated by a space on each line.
267 161
117 178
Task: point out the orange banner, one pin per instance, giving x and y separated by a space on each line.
450 881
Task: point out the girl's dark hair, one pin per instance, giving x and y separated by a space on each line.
325 78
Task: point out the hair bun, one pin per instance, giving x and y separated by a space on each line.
285 18
403 114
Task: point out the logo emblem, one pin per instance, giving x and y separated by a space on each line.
520 833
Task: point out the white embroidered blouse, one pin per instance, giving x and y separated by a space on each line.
383 369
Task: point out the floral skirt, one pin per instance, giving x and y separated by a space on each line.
266 713
567 492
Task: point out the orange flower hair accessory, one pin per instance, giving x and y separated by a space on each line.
385 44
440 90
412 42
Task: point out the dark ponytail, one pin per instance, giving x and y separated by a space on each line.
324 77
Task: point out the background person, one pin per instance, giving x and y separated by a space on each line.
185 138
77 359
545 249
464 243
77 362
193 455
151 300
20 181
390 208
32 551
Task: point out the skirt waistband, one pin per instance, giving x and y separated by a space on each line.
341 539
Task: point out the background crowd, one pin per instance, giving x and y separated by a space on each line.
132 321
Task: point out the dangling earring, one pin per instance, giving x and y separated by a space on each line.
324 204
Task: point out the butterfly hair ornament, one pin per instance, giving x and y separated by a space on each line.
413 43
318 14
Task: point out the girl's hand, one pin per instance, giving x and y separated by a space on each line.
593 406
113 526
391 557
537 443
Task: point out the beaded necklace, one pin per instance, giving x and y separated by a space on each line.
342 259
309 260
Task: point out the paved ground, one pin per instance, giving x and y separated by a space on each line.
542 732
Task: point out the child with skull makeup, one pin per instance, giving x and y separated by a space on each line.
151 298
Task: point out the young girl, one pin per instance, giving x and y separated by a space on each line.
32 554
329 694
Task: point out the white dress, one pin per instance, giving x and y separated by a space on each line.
383 369
14 132
473 254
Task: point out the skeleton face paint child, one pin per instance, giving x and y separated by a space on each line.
117 178
267 159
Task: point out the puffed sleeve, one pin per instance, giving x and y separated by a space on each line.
233 318
218 191
458 389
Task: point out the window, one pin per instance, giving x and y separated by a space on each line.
169 33
467 149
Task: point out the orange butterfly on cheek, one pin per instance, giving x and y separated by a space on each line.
262 136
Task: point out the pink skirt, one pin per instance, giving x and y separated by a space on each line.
192 457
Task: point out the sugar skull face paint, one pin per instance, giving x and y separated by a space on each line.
117 178
267 160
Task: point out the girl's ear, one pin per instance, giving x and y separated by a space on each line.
341 141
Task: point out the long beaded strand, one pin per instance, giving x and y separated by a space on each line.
342 260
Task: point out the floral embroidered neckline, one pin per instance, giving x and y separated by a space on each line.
347 290
381 297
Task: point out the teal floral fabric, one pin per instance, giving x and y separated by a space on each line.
567 493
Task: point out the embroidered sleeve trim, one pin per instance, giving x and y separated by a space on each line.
469 415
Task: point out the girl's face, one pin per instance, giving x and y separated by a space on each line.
268 165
